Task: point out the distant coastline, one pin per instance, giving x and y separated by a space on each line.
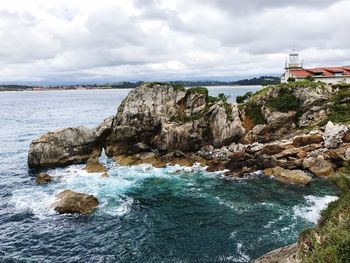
263 80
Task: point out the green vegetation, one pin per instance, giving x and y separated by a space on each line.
285 102
302 83
176 86
310 78
183 118
340 109
329 242
198 90
253 111
243 98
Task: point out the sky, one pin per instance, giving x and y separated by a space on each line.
157 40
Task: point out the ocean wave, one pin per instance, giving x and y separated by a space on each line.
313 207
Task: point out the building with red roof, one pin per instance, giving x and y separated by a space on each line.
331 75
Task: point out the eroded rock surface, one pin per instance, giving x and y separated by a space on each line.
288 176
65 146
70 202
287 254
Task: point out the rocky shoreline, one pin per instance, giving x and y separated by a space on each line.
289 131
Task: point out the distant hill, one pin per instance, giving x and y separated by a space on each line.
15 87
264 80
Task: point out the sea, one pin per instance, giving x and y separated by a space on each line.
146 214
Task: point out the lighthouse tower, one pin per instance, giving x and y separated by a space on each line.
293 62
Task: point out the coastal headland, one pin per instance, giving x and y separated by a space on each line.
292 132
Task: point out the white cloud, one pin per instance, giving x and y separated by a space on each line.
82 40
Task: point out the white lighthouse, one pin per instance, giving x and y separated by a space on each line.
293 62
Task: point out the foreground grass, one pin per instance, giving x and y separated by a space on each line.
329 241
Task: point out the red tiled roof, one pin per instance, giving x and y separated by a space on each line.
300 72
326 71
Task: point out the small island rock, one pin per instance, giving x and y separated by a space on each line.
70 202
43 178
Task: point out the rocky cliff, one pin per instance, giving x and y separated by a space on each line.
291 132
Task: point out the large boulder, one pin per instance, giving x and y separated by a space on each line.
334 134
65 146
70 202
319 166
288 176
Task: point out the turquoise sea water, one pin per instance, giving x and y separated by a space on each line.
146 214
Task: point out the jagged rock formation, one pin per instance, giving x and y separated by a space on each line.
157 121
169 118
67 146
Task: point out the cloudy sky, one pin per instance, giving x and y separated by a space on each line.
113 40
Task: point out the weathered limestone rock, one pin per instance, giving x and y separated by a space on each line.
222 129
140 116
307 139
313 116
288 176
334 134
94 166
65 146
276 118
70 202
287 254
319 166
43 178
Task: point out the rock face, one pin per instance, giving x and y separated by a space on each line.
70 202
288 176
288 254
167 118
66 146
43 178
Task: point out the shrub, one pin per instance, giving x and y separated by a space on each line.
340 109
176 86
290 79
284 103
243 98
199 90
253 111
310 78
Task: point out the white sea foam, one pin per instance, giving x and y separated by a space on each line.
110 191
240 257
314 204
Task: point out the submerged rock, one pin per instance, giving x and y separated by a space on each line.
288 176
70 202
43 178
65 146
